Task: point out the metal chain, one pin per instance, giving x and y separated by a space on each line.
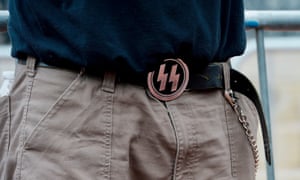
229 95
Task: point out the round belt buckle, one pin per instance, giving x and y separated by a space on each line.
169 81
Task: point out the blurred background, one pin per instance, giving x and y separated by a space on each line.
282 54
282 57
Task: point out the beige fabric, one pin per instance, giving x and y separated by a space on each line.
62 125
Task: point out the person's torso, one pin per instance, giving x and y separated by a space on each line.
136 34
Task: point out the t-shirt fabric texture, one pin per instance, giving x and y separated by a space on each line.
135 35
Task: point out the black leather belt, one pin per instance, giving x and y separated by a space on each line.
172 78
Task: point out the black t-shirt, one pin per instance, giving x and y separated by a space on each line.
133 34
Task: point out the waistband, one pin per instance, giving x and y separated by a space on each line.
209 77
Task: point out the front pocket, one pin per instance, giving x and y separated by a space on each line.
73 139
43 120
4 127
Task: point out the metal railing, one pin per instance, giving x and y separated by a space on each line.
271 21
258 21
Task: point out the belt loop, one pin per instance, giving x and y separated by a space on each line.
30 64
109 82
226 74
228 93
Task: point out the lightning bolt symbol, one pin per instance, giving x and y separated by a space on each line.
162 77
174 78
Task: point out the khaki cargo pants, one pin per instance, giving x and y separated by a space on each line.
63 125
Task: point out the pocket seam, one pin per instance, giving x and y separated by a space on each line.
52 110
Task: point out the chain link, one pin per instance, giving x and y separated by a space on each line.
229 95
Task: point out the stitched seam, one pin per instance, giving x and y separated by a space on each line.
108 113
176 140
6 117
10 123
232 148
192 159
181 148
29 87
179 143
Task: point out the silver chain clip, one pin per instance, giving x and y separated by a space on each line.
233 101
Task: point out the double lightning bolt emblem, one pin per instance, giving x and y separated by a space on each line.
169 81
163 77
